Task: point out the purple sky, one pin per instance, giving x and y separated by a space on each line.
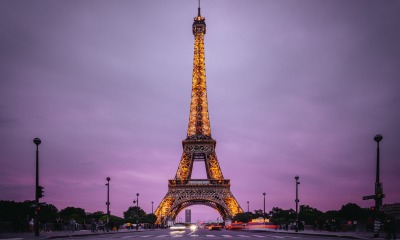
294 88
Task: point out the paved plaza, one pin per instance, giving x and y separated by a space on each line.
187 234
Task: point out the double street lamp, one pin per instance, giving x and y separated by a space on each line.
137 211
297 202
108 197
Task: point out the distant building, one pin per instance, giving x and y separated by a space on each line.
392 210
188 216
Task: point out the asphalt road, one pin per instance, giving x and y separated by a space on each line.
201 234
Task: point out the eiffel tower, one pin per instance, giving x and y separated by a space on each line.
183 191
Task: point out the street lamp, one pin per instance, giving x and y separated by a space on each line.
37 141
152 207
264 208
378 185
137 211
248 206
108 197
297 202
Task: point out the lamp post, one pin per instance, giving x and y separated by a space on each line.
248 206
137 211
37 141
264 209
152 207
108 197
378 187
297 202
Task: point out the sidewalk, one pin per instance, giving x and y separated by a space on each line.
350 235
63 234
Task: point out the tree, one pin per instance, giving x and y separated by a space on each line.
112 219
260 213
243 217
280 216
19 213
96 216
309 215
47 213
71 212
332 214
352 212
131 214
150 218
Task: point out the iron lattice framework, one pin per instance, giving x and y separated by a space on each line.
198 146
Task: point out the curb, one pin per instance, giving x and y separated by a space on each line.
89 234
312 234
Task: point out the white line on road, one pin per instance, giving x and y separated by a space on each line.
227 236
161 236
210 235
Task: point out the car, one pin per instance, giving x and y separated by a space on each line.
178 226
214 227
193 227
235 226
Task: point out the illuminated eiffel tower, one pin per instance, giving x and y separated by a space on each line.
183 191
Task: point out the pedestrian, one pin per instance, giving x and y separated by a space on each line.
31 224
93 225
390 228
59 224
72 224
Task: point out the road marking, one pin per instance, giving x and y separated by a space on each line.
227 236
128 237
277 237
194 235
243 236
210 235
146 236
177 236
259 236
160 236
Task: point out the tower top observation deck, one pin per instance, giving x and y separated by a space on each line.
199 24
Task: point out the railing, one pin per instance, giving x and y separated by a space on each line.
199 182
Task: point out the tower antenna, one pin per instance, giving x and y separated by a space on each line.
198 10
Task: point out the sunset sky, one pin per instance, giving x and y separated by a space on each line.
294 88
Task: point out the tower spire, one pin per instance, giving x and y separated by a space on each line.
198 10
199 123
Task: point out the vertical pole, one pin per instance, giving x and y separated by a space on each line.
108 197
248 206
297 203
137 211
264 209
378 200
377 163
378 188
152 212
36 192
